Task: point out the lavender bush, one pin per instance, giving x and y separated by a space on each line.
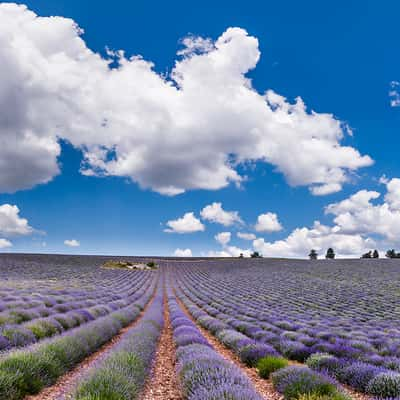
294 381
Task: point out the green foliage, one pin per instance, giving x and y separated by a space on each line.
255 254
42 329
27 372
333 396
269 364
385 385
299 387
33 372
367 255
9 385
294 381
19 316
392 254
151 264
63 321
324 362
330 254
113 383
313 255
117 264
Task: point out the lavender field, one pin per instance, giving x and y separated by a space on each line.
199 329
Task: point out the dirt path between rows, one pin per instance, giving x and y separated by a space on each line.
263 386
163 383
65 385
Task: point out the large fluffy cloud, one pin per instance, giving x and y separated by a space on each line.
229 251
359 215
186 224
11 224
268 222
319 237
215 213
361 222
188 130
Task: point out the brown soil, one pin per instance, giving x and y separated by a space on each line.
64 387
163 383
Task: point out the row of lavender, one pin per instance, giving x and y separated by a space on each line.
17 305
47 322
377 381
27 371
249 329
42 296
57 280
121 373
203 373
57 284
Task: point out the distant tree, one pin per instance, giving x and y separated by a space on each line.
241 255
151 264
391 253
375 254
313 255
330 254
255 254
367 255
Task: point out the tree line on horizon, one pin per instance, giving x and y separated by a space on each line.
330 254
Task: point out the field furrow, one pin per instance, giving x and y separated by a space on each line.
123 371
66 384
264 387
203 372
162 383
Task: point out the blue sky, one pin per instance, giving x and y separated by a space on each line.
339 58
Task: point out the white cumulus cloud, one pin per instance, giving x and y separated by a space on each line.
230 251
362 214
183 253
4 243
215 213
363 221
201 121
11 224
246 236
268 222
72 243
223 238
186 224
319 237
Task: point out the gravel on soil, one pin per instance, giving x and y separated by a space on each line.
163 383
